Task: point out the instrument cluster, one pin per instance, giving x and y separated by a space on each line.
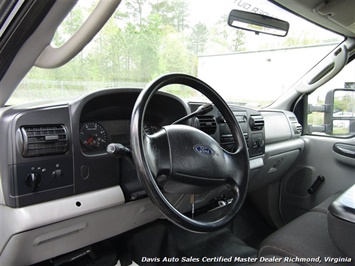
96 136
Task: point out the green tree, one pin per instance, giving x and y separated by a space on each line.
69 26
172 13
148 47
301 39
225 38
135 8
174 55
237 41
133 45
164 10
180 14
198 38
345 103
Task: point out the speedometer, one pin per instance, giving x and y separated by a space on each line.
93 136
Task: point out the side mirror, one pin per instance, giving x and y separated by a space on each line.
257 23
341 112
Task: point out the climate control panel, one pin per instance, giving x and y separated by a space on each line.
252 124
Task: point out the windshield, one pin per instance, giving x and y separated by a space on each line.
148 38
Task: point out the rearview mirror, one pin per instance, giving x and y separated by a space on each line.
257 23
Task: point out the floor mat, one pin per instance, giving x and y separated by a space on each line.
162 242
250 227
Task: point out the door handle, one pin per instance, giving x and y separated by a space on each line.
344 149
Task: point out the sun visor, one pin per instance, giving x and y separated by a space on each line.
339 11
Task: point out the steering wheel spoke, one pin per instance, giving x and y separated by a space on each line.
238 167
157 153
182 159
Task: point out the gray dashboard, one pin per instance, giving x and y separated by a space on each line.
59 150
58 185
283 145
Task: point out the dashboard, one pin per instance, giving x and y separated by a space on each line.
57 151
59 184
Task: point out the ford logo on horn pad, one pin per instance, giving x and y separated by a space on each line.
204 150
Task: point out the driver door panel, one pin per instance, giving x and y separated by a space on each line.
320 158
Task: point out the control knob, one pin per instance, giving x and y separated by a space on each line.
33 180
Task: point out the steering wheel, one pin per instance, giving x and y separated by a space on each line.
183 159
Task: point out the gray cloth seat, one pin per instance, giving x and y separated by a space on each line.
323 207
305 240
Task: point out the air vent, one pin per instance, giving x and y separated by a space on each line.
44 140
256 122
297 128
241 117
207 124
